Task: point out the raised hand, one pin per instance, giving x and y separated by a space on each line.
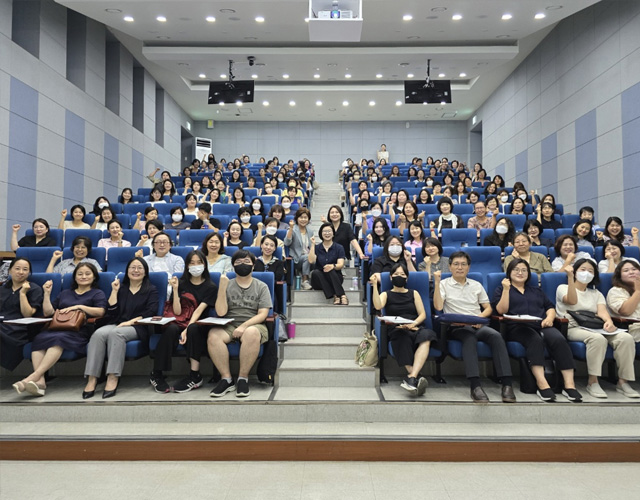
313 240
224 281
570 258
599 235
569 270
634 232
432 224
174 283
115 285
47 287
437 275
323 219
515 254
56 255
506 284
139 253
407 255
16 228
421 215
64 212
369 237
25 288
292 223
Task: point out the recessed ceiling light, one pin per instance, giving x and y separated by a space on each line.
292 103
372 103
318 103
441 75
410 75
407 17
285 76
223 76
259 19
503 36
316 75
306 19
345 103
265 103
227 11
210 19
113 11
462 75
398 103
254 76
540 15
403 64
161 19
348 75
183 64
250 38
163 37
506 17
438 9
202 75
456 17
239 104
413 37
332 65
554 7
379 75
128 19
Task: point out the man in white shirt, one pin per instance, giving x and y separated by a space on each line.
460 295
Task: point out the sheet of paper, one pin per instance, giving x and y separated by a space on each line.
27 321
398 320
522 317
149 321
215 321
603 331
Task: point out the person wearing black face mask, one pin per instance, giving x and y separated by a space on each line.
247 301
411 341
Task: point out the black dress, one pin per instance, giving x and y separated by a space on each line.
405 342
344 236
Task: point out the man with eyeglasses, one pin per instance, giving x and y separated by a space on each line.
460 295
246 300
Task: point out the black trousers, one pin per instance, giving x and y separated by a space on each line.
469 337
534 343
196 345
166 346
330 283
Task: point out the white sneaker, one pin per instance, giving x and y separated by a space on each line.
627 390
596 391
305 285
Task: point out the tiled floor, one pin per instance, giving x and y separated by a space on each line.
316 480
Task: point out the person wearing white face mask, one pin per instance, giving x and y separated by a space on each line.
257 208
244 216
270 227
177 220
392 253
189 300
580 295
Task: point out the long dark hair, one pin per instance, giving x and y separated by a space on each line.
146 282
94 271
379 240
186 276
617 275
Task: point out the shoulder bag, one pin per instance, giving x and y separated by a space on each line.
587 319
70 321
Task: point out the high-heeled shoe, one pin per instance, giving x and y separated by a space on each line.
88 394
34 389
19 387
109 394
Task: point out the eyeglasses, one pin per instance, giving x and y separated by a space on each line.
136 268
519 271
459 264
162 242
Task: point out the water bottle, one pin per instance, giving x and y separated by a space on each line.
291 330
354 283
298 282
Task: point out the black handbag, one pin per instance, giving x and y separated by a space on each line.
587 319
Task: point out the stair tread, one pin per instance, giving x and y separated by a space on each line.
321 364
330 321
325 341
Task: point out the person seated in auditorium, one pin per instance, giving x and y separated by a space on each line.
116 237
409 215
257 209
364 216
623 299
534 229
150 213
448 192
191 203
502 236
614 230
194 291
198 192
377 235
566 248
156 196
393 252
328 258
244 216
177 220
538 263
161 260
433 260
546 212
461 295
246 300
39 238
481 177
362 196
102 219
186 186
238 197
204 220
423 197
78 213
490 189
270 227
580 294
447 218
133 299
343 232
213 249
503 200
126 196
19 298
518 207
233 235
277 212
285 202
517 296
614 253
168 188
473 197
164 175
48 345
152 228
267 190
81 248
410 342
268 261
482 219
98 205
583 233
588 213
416 238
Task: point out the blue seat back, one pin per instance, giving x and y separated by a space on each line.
193 237
56 234
134 208
38 256
120 257
485 260
459 237
549 283
226 209
181 252
517 220
42 278
71 234
265 277
416 282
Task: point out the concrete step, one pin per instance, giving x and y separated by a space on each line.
325 373
330 327
320 348
311 311
317 297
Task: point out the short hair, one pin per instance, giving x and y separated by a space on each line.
337 207
270 238
112 221
300 212
558 244
92 268
617 275
586 209
270 220
176 209
148 210
459 255
532 222
16 259
399 265
442 200
242 210
596 275
326 224
205 207
514 263
41 221
156 223
387 243
80 207
433 242
84 240
522 233
616 244
242 254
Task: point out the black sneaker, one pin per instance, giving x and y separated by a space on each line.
159 383
242 388
410 384
189 383
422 385
572 395
222 388
546 394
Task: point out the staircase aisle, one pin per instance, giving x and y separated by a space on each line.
318 364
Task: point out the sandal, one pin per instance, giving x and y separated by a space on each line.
344 300
336 301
